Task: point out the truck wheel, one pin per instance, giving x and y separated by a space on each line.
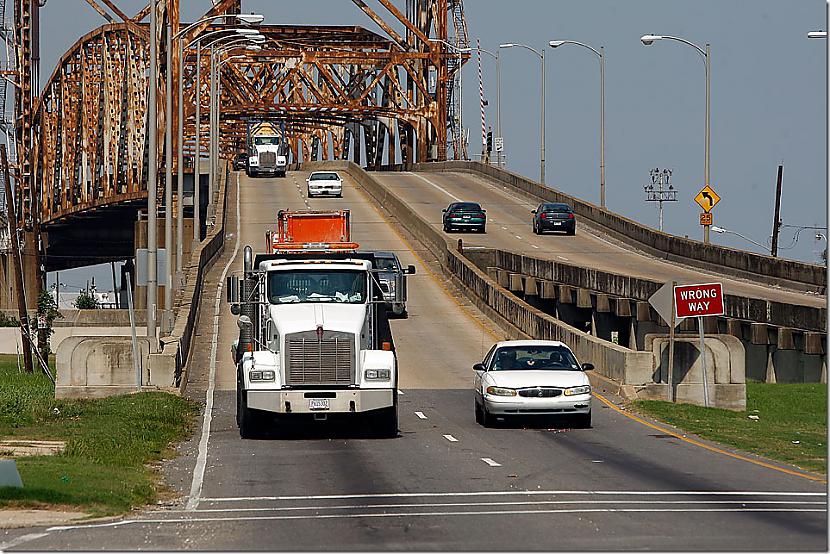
246 419
386 422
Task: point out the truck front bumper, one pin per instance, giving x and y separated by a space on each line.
339 401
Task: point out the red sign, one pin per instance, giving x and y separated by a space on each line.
698 300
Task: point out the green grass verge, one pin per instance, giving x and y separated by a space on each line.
110 443
792 424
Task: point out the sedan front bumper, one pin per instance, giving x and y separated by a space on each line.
517 405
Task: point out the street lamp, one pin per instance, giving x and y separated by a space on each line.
601 55
721 230
707 62
542 118
498 94
460 51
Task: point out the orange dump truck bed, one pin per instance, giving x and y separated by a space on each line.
309 229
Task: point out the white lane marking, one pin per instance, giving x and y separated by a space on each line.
427 181
320 507
421 415
201 461
440 513
518 237
20 540
450 438
400 392
95 525
508 493
597 461
534 246
505 228
563 258
490 462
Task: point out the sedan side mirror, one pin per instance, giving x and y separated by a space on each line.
479 367
483 211
444 210
533 212
308 180
587 367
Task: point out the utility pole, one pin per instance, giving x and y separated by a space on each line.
18 266
776 221
660 194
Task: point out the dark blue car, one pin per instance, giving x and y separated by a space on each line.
554 217
464 215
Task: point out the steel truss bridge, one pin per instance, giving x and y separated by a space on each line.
340 92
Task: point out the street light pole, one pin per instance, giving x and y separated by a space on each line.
168 181
601 55
152 239
648 40
542 110
497 58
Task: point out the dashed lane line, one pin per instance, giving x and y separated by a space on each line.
421 415
491 462
450 438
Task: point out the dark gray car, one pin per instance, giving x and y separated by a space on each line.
392 278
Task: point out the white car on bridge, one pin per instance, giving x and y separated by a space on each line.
326 183
532 377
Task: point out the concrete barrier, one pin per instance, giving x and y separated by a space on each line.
93 366
518 318
711 257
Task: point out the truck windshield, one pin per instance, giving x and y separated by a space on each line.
266 141
287 287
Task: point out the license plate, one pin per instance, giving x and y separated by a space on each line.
318 403
557 223
466 217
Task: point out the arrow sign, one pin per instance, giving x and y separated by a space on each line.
707 198
661 301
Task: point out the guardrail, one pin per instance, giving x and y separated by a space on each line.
711 257
515 315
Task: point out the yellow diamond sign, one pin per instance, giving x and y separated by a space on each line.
707 198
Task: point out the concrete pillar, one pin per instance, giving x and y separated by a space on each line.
583 298
515 282
734 328
770 376
503 277
643 311
603 304
531 289
622 307
548 290
594 331
786 341
632 334
759 333
566 294
824 371
813 343
493 273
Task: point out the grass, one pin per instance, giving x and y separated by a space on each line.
791 425
110 443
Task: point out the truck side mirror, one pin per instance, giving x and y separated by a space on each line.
410 270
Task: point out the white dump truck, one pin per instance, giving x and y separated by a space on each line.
267 150
315 341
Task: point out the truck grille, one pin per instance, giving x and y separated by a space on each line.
314 361
267 159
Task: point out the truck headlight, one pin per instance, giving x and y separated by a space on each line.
500 391
578 390
377 374
266 375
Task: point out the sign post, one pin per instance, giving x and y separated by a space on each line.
672 325
699 301
663 303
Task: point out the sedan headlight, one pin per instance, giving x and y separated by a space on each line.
377 374
500 391
267 375
585 389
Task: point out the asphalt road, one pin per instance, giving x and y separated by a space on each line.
509 227
445 483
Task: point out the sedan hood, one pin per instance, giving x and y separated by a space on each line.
537 378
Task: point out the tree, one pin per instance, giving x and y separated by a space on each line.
86 301
47 312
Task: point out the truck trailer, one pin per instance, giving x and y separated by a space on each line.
315 341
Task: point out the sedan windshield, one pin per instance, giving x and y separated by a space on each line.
324 177
386 264
287 287
535 358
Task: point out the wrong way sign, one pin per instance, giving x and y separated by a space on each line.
698 300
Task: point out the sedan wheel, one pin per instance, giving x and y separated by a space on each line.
479 414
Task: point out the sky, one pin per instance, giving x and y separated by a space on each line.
768 100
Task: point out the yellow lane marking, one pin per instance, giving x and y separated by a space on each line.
599 396
434 277
706 446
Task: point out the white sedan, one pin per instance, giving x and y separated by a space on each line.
531 377
326 183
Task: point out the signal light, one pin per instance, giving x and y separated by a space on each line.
386 345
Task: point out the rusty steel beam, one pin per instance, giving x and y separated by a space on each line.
336 90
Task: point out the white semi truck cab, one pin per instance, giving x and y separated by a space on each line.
315 340
267 150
